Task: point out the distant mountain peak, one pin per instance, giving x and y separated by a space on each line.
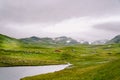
97 42
118 36
116 39
34 37
58 40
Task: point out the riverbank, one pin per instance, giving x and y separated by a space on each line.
15 73
25 57
94 63
86 59
108 71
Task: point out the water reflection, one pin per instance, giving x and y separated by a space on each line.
15 73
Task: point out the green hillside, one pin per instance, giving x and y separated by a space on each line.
89 62
96 62
8 42
14 52
108 71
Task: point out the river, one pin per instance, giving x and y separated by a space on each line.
15 73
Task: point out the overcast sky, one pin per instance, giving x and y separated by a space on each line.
80 19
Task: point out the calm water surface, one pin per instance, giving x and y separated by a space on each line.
15 73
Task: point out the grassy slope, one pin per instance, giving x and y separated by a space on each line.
100 62
108 71
8 42
97 62
15 53
28 57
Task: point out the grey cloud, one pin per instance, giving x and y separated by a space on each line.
55 10
24 12
111 26
8 31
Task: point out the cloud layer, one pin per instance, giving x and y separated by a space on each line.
80 19
55 10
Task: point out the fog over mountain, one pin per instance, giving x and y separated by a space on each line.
80 19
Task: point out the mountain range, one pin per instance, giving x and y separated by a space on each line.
63 40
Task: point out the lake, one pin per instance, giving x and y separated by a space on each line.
15 73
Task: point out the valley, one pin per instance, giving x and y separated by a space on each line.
89 62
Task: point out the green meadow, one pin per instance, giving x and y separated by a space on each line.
89 62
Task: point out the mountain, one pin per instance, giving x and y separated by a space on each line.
31 39
37 41
8 42
116 39
83 42
63 40
97 42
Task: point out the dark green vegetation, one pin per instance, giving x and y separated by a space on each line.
90 62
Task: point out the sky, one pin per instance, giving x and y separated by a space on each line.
87 20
